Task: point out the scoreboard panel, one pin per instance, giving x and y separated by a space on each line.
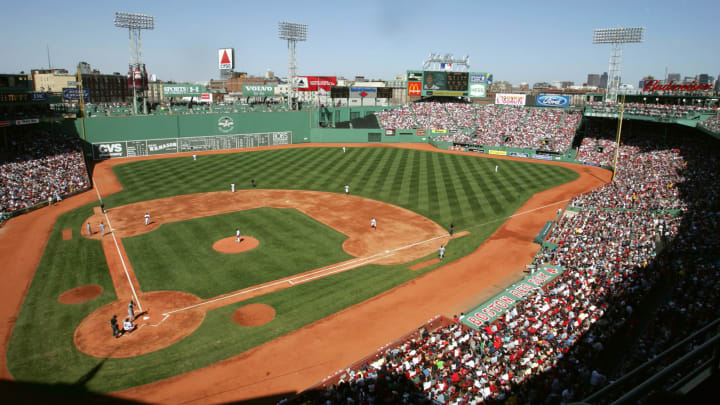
450 84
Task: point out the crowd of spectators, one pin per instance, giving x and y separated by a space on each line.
656 222
509 126
712 124
649 110
38 166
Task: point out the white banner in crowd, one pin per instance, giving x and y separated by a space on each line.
510 99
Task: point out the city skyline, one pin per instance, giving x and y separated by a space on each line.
529 42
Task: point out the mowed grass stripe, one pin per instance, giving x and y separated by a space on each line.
381 173
401 182
463 185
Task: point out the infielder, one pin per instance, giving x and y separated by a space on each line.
102 228
147 218
347 190
442 251
88 229
373 223
237 235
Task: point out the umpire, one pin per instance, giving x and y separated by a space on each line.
114 326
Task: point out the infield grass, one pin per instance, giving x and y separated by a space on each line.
446 188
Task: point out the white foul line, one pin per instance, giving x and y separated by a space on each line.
97 190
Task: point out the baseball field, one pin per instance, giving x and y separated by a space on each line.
310 288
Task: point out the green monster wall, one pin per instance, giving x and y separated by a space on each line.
109 129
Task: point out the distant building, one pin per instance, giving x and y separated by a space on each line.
542 86
593 80
51 80
603 80
675 77
704 78
106 88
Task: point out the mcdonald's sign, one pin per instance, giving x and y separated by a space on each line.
414 88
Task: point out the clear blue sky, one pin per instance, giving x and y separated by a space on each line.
517 41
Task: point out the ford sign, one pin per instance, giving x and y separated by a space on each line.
552 100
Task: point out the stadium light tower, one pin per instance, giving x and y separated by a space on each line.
616 37
293 32
137 78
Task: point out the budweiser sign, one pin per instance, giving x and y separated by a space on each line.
654 85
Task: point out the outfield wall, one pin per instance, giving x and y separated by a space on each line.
365 135
117 129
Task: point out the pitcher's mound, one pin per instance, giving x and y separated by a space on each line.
80 294
231 245
254 315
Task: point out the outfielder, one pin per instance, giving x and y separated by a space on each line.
347 190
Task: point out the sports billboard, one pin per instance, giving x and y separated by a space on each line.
552 100
510 99
182 90
363 92
264 90
315 83
73 94
444 83
226 59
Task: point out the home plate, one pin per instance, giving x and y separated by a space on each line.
146 317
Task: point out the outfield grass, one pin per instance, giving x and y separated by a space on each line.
444 187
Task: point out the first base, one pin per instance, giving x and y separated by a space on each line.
146 317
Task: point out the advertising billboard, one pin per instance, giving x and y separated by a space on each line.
478 90
363 92
72 94
226 59
552 100
414 88
264 90
182 90
510 99
315 83
448 83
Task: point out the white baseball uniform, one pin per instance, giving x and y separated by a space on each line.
373 223
147 219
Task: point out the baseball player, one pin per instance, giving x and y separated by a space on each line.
347 190
131 310
452 229
373 223
496 168
114 326
194 157
88 229
442 251
102 228
252 183
128 326
237 235
147 218
343 149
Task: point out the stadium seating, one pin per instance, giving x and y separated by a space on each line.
41 165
